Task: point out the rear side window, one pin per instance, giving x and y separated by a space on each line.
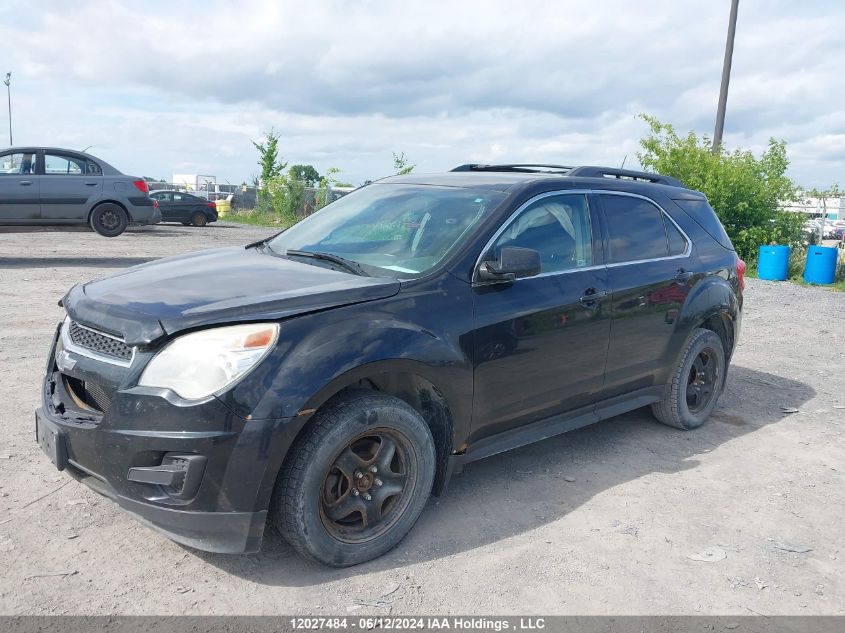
636 229
60 165
700 211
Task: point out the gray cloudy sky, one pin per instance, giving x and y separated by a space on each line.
181 87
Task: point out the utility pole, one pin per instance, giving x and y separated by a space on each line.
726 78
8 81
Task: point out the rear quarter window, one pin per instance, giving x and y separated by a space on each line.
704 215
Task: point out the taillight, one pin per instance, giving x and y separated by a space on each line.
211 204
740 273
141 185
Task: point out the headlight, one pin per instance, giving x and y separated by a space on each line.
198 364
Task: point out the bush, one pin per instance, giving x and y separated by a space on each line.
282 195
743 190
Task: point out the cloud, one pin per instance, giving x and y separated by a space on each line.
156 86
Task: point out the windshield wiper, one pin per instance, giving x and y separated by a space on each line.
352 267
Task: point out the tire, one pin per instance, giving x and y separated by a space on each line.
109 220
316 507
199 219
696 383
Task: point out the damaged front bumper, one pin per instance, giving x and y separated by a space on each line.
195 472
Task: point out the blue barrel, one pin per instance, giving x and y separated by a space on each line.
821 265
773 263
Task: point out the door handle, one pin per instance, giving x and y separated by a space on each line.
90 184
591 298
683 276
25 183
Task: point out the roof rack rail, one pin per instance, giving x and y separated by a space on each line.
528 168
627 174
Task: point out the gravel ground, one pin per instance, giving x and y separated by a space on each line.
742 516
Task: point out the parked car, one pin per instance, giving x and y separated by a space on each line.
51 186
178 206
328 379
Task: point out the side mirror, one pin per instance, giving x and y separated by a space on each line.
514 263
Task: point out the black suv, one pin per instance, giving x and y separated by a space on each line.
333 376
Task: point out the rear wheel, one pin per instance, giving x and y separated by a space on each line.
696 383
109 220
199 219
357 481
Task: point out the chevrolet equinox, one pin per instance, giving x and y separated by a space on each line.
330 378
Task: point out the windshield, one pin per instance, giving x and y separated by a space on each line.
398 230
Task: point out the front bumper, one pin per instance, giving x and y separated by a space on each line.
225 507
228 532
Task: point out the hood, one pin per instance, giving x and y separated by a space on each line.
144 303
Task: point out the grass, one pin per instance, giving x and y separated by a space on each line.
836 286
255 217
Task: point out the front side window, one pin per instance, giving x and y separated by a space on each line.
636 229
400 230
557 227
17 164
59 165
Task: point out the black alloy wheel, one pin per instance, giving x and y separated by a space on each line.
702 381
356 479
366 488
695 384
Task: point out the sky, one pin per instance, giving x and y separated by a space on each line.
158 88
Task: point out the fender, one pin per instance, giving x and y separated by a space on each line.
388 342
711 296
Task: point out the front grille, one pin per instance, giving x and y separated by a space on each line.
99 343
90 393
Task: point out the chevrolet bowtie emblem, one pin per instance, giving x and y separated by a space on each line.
65 361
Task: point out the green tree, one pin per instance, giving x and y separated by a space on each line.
744 190
324 190
306 173
283 194
401 164
269 161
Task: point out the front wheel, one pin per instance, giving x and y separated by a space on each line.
357 481
109 220
696 383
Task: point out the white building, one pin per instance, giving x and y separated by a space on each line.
834 208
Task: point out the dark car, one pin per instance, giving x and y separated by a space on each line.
51 186
178 206
328 379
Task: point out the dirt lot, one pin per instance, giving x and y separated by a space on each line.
610 519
